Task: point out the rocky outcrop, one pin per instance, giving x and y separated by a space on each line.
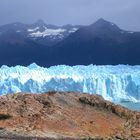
99 102
59 115
132 124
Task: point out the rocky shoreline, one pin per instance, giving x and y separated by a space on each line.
66 116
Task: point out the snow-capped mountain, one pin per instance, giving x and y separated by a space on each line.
39 32
101 43
49 34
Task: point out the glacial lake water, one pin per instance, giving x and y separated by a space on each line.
132 105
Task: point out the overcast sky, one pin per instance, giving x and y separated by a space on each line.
125 13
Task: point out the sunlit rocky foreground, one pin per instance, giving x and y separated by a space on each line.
67 116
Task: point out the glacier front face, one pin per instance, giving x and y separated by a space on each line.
114 83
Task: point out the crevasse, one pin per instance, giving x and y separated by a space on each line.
114 83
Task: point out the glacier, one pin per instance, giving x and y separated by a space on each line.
115 83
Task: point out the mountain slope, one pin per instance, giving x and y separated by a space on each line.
67 116
39 32
26 43
100 43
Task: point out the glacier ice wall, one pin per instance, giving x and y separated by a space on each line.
115 83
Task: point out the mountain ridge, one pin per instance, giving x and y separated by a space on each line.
99 43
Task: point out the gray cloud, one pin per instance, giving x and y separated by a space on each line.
125 13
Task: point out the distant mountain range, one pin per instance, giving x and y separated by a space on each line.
38 32
100 43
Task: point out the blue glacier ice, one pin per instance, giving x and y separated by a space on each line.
114 83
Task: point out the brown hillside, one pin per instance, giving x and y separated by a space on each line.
65 116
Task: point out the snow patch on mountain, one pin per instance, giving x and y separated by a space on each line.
32 30
48 32
130 32
73 30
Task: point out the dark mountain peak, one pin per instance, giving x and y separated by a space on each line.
101 20
40 22
104 24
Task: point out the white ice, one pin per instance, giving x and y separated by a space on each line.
114 83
